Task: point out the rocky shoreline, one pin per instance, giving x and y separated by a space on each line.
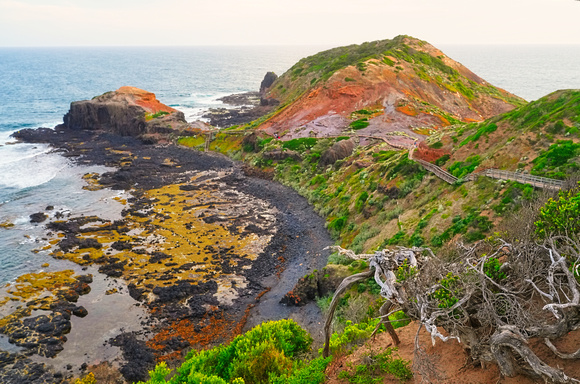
203 246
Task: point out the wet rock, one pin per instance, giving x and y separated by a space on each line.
267 82
124 112
135 293
18 369
38 217
89 243
139 358
157 257
43 334
113 269
121 246
80 311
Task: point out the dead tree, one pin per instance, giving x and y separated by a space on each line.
492 297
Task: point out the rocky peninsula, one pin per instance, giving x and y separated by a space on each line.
202 246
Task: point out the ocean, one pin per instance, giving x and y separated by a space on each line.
38 84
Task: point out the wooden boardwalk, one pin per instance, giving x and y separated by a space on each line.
524 178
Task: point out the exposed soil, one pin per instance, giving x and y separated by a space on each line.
452 363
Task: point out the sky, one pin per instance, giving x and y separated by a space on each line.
276 22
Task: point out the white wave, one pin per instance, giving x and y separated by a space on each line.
28 165
193 113
205 99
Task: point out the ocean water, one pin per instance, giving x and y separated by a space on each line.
38 84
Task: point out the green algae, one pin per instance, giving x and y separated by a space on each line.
177 235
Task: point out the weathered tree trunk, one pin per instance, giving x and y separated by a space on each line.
493 307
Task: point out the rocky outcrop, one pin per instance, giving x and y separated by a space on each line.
317 284
338 151
267 82
247 106
127 111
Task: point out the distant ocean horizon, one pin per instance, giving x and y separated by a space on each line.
37 86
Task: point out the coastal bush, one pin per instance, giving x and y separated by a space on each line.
359 124
337 224
268 350
555 162
560 216
301 144
442 160
354 333
388 61
366 232
361 200
151 116
436 145
375 366
461 169
483 130
511 198
474 221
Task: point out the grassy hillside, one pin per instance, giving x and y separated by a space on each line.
400 54
372 194
540 138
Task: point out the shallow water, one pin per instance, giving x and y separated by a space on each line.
108 316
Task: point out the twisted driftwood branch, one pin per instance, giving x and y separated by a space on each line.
507 303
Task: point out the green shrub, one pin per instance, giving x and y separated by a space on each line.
461 169
491 268
436 145
555 162
312 373
483 130
361 200
338 223
359 124
560 216
352 334
300 144
267 350
377 366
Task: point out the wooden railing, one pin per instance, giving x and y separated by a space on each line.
524 178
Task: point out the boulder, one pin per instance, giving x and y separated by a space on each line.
38 217
338 151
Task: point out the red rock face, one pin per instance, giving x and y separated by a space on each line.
144 99
402 98
129 111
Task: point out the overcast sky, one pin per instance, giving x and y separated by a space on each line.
277 22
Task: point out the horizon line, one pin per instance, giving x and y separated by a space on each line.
266 45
